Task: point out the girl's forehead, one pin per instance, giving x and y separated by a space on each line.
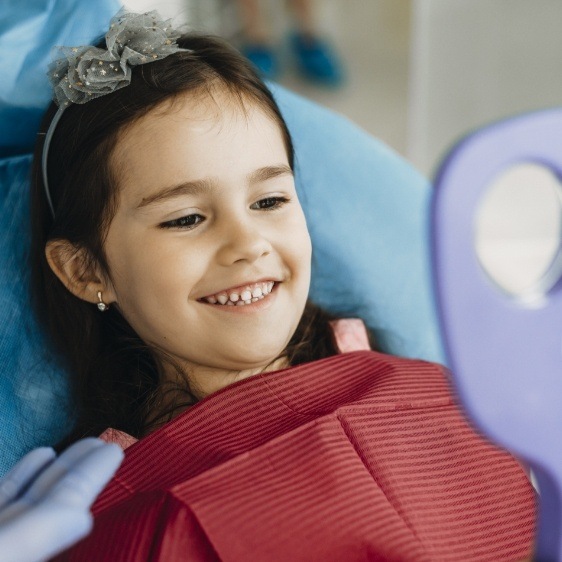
194 138
212 114
204 105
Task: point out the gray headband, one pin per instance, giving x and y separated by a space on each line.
86 73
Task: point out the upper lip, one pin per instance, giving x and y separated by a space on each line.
241 286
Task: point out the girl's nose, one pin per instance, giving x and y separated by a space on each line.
242 241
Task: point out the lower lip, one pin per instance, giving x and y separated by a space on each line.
261 304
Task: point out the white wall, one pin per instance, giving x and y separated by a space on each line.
178 10
474 61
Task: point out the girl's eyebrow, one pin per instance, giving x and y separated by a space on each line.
196 187
268 172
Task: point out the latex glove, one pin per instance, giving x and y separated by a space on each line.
45 500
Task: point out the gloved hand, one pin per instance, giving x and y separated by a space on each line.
45 500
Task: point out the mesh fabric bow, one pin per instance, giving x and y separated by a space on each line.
87 72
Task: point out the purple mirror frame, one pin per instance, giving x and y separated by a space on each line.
496 345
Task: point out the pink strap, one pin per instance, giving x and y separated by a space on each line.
124 440
350 334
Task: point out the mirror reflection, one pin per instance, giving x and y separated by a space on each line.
517 230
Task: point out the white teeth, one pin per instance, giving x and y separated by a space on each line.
245 297
266 288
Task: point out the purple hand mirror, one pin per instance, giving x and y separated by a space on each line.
504 349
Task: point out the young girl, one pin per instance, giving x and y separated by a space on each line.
171 268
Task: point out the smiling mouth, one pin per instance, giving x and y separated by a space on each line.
241 296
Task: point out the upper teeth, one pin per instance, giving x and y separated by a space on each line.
242 296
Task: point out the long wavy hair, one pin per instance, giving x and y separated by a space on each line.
115 377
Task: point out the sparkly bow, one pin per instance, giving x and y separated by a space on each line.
85 73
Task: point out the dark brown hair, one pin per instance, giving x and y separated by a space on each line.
115 377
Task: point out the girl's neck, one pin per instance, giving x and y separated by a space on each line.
209 381
172 400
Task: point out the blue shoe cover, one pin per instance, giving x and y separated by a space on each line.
263 58
316 60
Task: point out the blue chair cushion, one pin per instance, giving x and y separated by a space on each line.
366 208
367 211
28 31
32 388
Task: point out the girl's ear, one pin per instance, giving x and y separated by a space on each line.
77 271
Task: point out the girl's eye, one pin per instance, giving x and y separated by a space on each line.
269 203
188 222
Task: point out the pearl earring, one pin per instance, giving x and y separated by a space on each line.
101 305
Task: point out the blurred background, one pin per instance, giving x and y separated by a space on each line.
421 74
371 38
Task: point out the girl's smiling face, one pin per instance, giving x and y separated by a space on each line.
208 210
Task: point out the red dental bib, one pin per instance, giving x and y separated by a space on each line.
360 456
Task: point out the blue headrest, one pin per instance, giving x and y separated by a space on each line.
367 213
366 208
28 31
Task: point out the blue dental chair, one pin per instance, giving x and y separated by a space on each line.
366 208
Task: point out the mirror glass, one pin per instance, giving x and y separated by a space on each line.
518 228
